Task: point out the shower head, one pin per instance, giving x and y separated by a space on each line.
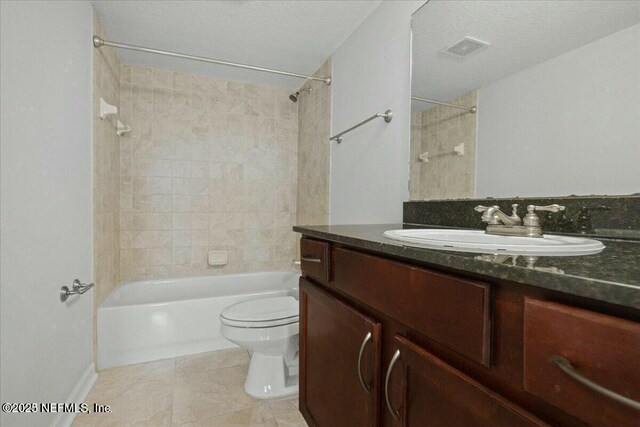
294 96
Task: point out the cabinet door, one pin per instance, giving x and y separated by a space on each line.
339 361
432 393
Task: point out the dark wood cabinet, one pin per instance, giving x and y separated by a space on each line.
314 259
389 343
434 394
602 349
448 309
339 361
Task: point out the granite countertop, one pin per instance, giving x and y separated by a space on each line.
612 276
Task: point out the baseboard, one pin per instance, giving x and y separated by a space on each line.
77 395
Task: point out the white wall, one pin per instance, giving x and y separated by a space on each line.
570 125
46 347
371 73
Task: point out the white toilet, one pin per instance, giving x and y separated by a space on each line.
269 329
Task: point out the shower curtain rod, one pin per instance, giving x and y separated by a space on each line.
99 42
433 101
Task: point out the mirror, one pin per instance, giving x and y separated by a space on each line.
550 97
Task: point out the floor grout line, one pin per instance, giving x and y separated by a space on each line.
173 390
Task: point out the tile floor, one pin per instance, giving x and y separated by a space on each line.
203 390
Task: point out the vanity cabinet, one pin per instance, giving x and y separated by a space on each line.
390 343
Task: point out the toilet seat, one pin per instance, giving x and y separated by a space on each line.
262 313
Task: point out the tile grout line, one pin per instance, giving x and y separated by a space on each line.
173 390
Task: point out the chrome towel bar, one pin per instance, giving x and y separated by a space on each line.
387 115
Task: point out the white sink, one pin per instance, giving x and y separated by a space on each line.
478 241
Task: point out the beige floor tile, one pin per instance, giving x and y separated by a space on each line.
120 376
202 395
286 413
205 362
139 395
258 416
147 403
202 390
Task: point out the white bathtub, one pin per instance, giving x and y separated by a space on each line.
158 319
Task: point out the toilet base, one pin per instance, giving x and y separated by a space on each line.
270 376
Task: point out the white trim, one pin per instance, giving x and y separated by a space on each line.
77 395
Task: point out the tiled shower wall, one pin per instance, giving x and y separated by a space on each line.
314 126
414 153
106 175
209 165
445 175
106 171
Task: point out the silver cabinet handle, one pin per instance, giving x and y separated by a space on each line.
394 359
316 260
365 386
566 367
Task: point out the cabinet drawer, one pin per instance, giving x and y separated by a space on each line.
451 311
314 259
603 349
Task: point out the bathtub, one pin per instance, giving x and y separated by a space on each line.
158 319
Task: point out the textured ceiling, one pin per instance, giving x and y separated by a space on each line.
294 36
522 34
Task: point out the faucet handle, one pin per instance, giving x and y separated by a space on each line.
531 218
549 208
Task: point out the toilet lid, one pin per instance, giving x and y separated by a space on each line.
275 311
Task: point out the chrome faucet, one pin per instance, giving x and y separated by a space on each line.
501 224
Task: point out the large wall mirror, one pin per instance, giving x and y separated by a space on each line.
545 95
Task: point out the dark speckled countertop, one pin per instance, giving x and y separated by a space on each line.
612 276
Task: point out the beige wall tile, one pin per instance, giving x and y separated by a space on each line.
313 151
210 162
438 130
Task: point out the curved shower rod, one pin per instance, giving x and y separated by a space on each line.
99 42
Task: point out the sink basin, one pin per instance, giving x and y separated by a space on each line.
477 241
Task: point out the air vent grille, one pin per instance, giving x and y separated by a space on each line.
465 47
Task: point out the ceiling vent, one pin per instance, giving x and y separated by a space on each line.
465 47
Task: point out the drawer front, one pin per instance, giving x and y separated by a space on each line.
451 311
314 259
600 348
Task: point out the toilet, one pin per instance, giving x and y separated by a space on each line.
268 328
